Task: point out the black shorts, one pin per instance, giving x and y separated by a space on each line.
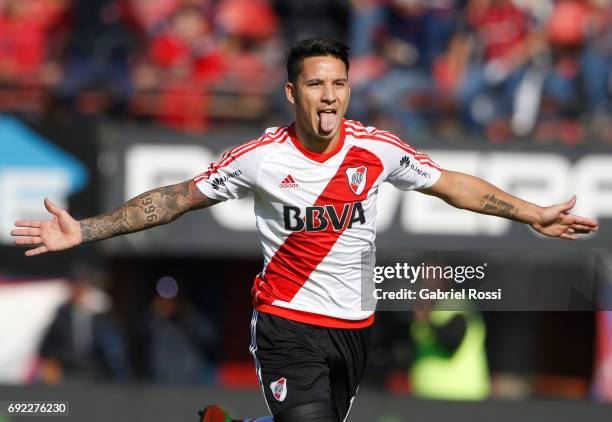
299 364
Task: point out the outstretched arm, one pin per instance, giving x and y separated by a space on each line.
471 193
153 208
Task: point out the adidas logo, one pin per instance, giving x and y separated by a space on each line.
288 183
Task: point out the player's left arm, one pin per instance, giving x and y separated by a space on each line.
472 193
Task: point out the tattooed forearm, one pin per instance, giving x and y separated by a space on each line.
153 208
495 206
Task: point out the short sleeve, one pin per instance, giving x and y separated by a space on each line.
410 169
232 176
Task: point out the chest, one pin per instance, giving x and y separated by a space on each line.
346 178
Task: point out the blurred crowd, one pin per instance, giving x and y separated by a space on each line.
168 339
455 69
505 68
105 333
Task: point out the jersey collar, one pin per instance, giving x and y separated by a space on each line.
320 158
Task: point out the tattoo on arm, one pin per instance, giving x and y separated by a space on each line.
495 206
152 208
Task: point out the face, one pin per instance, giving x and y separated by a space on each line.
320 97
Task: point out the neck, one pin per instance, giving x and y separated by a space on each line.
315 143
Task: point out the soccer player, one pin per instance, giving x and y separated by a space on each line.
315 184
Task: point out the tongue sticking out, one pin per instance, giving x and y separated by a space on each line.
327 122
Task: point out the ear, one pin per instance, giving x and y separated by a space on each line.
349 92
290 92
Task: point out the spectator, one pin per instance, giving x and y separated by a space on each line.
502 38
97 58
180 342
412 36
183 61
198 55
83 342
450 361
148 16
249 29
576 81
26 31
297 16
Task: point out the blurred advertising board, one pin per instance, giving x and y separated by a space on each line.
134 159
97 167
37 160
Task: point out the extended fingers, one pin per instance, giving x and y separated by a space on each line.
579 229
28 223
26 232
36 251
28 241
568 236
583 221
582 229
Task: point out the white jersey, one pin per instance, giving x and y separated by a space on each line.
316 215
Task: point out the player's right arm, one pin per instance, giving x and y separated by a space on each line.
153 208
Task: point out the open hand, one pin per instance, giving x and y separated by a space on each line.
556 221
61 232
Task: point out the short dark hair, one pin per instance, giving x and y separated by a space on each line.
313 47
